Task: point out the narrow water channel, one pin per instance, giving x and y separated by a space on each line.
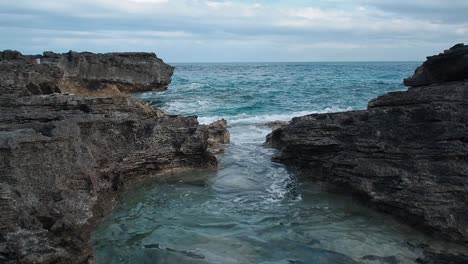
252 210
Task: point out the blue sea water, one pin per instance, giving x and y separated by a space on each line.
242 92
252 210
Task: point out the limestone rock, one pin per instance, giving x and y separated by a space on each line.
218 136
87 73
65 158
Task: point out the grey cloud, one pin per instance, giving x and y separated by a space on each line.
453 11
374 34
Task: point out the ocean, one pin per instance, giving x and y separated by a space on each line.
252 210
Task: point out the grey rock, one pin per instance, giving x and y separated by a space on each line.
64 159
275 124
406 154
87 73
218 137
19 76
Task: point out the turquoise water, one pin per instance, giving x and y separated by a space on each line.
252 210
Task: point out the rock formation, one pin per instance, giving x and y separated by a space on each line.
65 158
406 154
91 74
218 136
452 65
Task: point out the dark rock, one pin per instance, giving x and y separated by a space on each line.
406 154
187 253
381 260
65 158
10 55
431 257
452 65
155 245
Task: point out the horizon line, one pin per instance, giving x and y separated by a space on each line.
331 61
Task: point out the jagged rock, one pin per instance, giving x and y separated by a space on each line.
452 65
19 76
88 73
406 154
65 158
119 72
218 136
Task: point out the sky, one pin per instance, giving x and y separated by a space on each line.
238 30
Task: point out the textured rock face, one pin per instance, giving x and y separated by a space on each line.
91 74
406 154
452 65
218 136
123 72
65 158
20 77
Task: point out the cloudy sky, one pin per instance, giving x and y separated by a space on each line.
238 30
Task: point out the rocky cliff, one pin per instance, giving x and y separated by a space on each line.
91 74
65 158
407 154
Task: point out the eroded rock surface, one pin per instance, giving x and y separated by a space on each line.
90 74
65 158
219 136
406 154
451 65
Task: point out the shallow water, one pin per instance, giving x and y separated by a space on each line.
253 210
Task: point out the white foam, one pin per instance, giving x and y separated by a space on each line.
187 106
244 119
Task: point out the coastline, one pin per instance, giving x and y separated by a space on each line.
404 154
66 157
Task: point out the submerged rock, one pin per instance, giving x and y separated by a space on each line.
432 257
406 154
65 158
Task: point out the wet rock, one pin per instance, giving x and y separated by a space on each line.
161 256
431 257
218 137
155 245
65 158
275 124
186 253
451 65
372 259
405 155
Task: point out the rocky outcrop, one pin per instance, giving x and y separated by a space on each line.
65 158
406 154
92 74
452 65
218 137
